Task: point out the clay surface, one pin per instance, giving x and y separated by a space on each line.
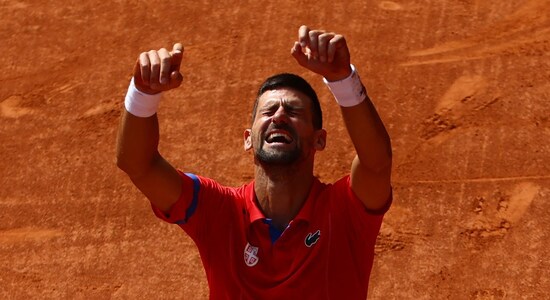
463 87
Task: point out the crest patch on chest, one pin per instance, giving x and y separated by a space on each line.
250 255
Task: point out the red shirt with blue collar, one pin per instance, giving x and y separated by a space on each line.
326 251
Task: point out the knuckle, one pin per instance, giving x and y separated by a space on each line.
143 58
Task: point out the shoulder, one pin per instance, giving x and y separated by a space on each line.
210 184
341 192
212 190
338 189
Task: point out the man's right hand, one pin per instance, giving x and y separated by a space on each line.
158 70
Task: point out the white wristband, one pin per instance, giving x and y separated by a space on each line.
141 104
348 91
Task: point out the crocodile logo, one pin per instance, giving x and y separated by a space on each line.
312 238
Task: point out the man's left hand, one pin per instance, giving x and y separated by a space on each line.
325 53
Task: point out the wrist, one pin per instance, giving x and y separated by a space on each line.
341 75
141 104
348 91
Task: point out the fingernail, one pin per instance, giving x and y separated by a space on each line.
303 44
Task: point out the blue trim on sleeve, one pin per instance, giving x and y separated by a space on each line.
193 206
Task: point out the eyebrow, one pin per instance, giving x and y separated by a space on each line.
287 103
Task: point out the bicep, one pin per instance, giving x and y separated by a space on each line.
372 187
161 184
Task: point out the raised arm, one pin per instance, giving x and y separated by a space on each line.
327 54
138 135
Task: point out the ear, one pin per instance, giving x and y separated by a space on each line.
247 139
320 139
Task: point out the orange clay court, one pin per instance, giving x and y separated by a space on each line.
462 86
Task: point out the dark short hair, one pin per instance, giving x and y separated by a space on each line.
295 82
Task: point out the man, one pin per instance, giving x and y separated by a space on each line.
285 235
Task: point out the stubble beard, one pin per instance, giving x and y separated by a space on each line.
273 157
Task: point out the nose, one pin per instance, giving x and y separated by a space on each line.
280 116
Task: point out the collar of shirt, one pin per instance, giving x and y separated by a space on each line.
255 213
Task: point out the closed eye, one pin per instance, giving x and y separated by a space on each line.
290 110
268 111
293 111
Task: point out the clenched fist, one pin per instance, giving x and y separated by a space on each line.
158 70
325 53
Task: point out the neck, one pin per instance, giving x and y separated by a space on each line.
281 191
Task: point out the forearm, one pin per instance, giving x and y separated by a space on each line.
138 134
155 71
368 135
370 176
367 132
137 144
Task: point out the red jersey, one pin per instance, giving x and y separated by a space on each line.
326 252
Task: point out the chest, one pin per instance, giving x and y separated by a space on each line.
318 253
300 245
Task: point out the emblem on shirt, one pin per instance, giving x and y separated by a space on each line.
312 238
250 255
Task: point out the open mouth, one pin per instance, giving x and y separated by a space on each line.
279 137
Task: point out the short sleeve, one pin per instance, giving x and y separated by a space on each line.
364 222
185 206
203 206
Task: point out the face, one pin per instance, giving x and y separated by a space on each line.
282 132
